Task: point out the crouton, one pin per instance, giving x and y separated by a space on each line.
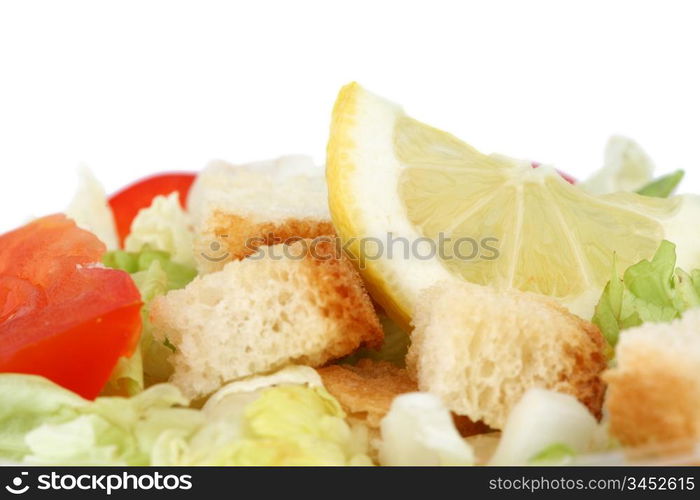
654 390
298 303
236 209
480 350
366 390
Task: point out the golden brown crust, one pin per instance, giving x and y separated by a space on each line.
652 399
584 380
330 316
345 300
366 390
235 237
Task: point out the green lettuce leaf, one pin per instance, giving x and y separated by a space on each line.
654 291
178 275
664 186
556 453
26 402
154 273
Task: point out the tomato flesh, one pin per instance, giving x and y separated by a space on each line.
61 316
127 203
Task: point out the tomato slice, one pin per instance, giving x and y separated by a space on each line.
127 202
62 316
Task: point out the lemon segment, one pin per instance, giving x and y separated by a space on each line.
492 220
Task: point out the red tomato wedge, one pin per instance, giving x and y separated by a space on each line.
127 202
61 316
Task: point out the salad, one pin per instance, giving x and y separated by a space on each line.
413 302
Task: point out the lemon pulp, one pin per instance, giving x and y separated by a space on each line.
497 221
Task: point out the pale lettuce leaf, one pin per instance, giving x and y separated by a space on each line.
27 401
292 425
541 419
42 422
286 418
91 211
418 430
626 168
281 419
163 226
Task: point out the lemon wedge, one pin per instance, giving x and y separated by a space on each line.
414 205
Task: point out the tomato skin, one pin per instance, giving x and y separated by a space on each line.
563 175
61 316
45 250
127 202
76 352
18 297
567 177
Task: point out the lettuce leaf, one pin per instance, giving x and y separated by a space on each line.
163 226
281 419
154 274
418 430
663 186
626 168
116 431
178 275
26 402
541 420
91 211
291 425
556 453
652 290
291 375
44 423
286 418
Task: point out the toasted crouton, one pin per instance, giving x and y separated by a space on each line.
238 208
293 303
654 389
480 349
366 390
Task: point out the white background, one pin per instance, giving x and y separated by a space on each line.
131 88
